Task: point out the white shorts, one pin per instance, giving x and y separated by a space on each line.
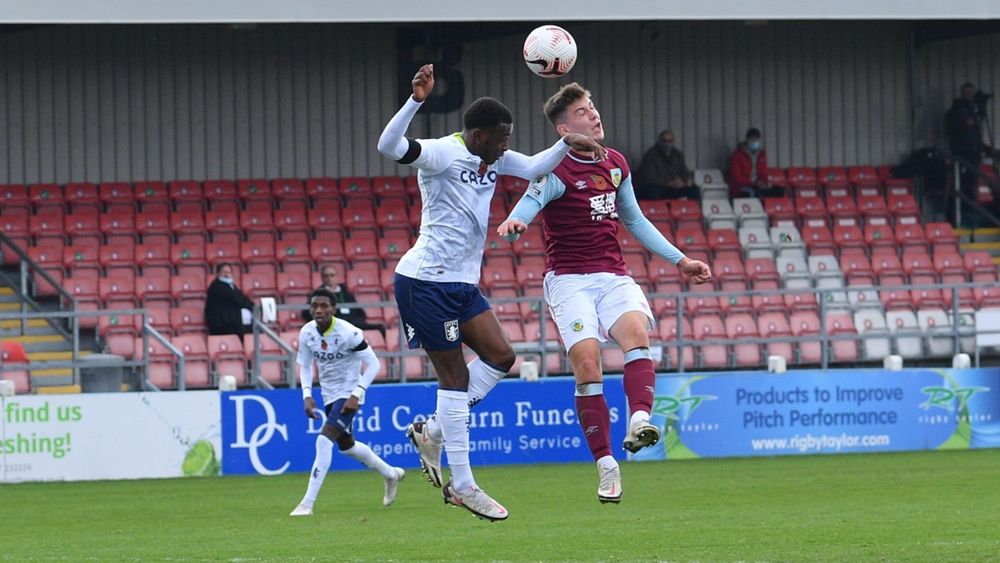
588 305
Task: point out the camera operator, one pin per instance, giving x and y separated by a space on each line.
963 124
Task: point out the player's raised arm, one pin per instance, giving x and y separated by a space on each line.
631 216
393 142
531 167
539 193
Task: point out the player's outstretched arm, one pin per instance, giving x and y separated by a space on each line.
631 216
539 194
393 143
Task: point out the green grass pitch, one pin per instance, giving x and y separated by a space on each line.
929 506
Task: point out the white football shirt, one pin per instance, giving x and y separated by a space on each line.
456 198
333 352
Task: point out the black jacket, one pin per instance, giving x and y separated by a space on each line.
656 169
222 308
965 138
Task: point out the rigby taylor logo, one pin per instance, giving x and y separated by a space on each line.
944 398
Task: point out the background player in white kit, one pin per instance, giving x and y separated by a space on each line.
587 286
436 282
339 350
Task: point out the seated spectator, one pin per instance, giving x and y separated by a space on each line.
747 174
354 315
227 309
663 172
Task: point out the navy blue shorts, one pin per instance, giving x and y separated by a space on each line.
337 419
433 312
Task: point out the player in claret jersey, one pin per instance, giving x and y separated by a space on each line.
587 286
436 282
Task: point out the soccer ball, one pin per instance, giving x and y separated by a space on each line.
550 51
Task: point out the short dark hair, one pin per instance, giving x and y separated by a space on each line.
486 113
323 292
753 132
220 266
555 106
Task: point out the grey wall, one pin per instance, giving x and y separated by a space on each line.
101 103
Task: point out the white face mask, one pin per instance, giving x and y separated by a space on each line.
226 279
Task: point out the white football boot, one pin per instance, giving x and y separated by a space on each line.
392 485
429 450
640 433
475 501
302 510
610 487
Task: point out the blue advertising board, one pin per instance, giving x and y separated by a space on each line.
702 415
810 412
267 432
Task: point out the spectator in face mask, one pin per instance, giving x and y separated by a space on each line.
747 175
227 309
663 172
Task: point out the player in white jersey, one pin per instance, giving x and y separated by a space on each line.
436 282
339 350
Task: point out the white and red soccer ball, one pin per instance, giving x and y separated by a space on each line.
550 51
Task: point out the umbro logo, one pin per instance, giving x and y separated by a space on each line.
651 389
581 184
590 430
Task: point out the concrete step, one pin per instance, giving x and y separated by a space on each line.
40 342
991 234
31 323
10 306
7 291
53 356
57 389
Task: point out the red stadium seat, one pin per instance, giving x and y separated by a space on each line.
254 189
696 302
215 253
82 195
849 238
979 261
288 189
873 209
838 323
355 187
46 195
322 188
863 175
191 258
152 288
843 210
879 236
185 319
856 266
811 208
220 190
780 209
687 214
14 195
706 327
196 359
819 240
941 236
185 190
742 326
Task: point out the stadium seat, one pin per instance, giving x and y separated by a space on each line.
873 210
738 301
724 243
185 191
196 359
802 181
220 190
254 189
862 295
294 286
769 301
831 290
355 187
863 176
756 243
806 324
632 250
713 184
903 208
322 188
841 324
77 259
729 269
696 301
831 176
742 326
14 196
902 321
750 212
761 269
918 262
686 214
787 240
667 333
46 196
117 290
810 209
978 261
780 210
271 371
855 267
228 358
530 243
794 272
710 327
718 214
160 370
937 330
818 240
871 325
656 210
843 210
849 237
912 237
774 324
885 264
82 196
215 253
942 237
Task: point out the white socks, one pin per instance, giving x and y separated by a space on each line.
637 417
324 455
362 453
453 417
607 462
482 379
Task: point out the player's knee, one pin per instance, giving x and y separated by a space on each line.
589 369
504 360
345 442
